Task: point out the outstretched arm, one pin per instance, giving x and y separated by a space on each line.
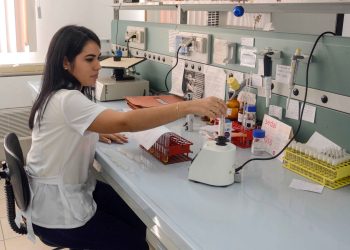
110 121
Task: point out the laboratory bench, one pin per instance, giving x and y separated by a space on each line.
261 212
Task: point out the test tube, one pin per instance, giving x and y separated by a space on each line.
221 126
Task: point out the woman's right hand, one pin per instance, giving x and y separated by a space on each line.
211 106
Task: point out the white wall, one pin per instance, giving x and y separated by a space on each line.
94 14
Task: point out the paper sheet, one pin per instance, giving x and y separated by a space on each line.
277 135
309 113
177 77
215 82
275 111
282 73
293 110
247 41
306 186
260 67
248 57
172 40
148 137
220 54
256 80
320 142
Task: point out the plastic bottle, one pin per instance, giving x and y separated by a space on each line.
258 145
249 118
226 128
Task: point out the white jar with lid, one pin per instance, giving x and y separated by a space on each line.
249 117
258 144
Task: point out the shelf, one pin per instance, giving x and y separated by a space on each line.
289 6
145 6
275 7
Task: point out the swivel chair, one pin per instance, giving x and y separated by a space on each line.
16 184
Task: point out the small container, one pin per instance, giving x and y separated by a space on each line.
258 145
249 117
118 55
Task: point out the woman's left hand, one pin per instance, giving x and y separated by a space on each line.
109 138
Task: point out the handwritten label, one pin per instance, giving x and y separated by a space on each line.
277 135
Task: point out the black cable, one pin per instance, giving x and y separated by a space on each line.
302 110
127 45
177 61
11 210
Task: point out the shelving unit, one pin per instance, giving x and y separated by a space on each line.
286 6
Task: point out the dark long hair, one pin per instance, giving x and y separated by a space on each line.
68 42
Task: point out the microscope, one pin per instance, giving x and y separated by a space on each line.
120 84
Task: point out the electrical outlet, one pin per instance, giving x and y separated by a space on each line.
200 45
198 49
139 39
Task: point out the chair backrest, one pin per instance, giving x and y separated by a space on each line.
17 175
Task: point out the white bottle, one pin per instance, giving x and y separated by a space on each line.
258 145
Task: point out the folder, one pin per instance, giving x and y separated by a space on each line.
136 102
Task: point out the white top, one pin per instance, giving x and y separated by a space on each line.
59 161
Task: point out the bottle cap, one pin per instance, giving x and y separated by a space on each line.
258 133
250 108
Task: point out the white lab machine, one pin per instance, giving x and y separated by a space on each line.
214 164
120 85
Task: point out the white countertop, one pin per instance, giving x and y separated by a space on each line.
262 212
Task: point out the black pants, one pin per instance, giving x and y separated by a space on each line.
114 226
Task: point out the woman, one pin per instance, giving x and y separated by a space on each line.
68 208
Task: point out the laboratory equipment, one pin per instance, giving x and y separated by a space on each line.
298 159
258 144
293 69
249 117
267 76
227 128
120 84
214 164
170 148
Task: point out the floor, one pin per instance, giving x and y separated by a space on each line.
9 240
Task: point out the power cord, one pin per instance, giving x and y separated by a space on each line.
127 44
177 61
185 44
302 110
